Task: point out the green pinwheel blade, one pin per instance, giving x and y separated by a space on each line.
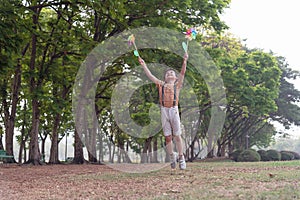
136 53
184 46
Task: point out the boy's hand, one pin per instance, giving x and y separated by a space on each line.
185 57
141 61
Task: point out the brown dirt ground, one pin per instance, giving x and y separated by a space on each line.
88 181
82 182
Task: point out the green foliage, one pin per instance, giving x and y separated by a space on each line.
66 31
296 155
288 112
251 78
10 27
263 155
235 154
286 155
264 136
292 154
249 155
273 155
261 75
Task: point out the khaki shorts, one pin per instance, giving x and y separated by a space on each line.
170 121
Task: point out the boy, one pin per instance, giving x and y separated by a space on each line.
168 97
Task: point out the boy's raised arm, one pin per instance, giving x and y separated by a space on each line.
148 73
183 68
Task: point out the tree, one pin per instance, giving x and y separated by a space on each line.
41 39
10 44
50 54
252 79
288 110
132 15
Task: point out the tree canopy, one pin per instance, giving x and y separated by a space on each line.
44 43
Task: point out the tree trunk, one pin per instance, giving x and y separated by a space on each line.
113 154
230 147
223 150
144 158
101 148
9 136
1 144
82 103
34 154
22 144
54 142
219 147
43 153
211 153
110 152
155 150
92 144
24 136
78 151
150 153
124 154
210 146
190 154
54 159
119 155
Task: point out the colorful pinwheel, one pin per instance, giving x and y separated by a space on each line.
190 34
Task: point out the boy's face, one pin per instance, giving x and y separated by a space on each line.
170 75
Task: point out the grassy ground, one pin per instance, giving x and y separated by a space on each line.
201 180
231 180
263 180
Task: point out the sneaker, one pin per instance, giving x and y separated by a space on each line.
173 159
182 164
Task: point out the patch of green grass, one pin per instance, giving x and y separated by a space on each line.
259 180
206 181
114 176
286 192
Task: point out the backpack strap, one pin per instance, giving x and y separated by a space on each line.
162 94
174 100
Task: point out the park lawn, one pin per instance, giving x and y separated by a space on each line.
201 180
246 180
210 180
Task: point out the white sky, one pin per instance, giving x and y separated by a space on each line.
270 25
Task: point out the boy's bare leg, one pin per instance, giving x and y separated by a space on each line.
170 151
169 144
182 164
179 145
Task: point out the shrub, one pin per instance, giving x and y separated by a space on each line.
263 155
273 155
296 155
235 154
287 155
249 155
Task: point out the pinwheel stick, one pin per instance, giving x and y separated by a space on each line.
131 41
